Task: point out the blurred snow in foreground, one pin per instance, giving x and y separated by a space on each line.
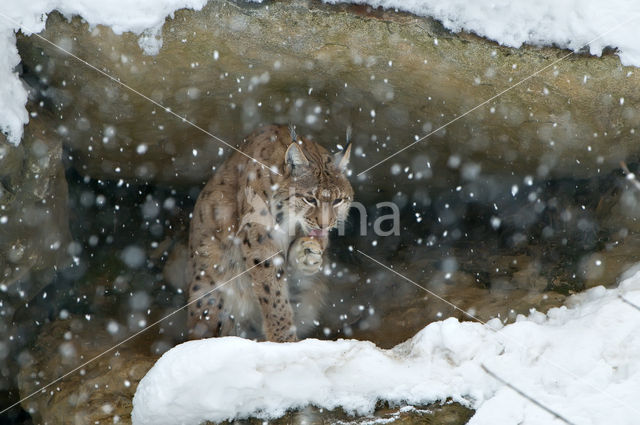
582 361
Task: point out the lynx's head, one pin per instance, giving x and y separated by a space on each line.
318 194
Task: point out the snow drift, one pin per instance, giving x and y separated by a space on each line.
582 361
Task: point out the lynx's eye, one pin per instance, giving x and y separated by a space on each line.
338 202
310 200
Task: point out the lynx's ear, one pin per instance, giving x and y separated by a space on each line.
294 157
341 159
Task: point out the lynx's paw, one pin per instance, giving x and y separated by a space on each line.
306 255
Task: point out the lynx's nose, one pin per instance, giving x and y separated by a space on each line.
325 216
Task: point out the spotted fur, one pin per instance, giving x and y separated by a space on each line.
244 215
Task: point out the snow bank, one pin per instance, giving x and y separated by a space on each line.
141 17
582 361
567 23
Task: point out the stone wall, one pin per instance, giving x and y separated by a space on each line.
232 67
34 218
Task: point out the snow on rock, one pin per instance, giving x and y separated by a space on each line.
582 361
141 17
567 24
13 96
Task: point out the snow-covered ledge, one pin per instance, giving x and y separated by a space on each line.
144 17
393 77
569 24
582 361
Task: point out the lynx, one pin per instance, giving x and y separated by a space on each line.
260 237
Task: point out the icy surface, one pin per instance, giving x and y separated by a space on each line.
582 361
141 17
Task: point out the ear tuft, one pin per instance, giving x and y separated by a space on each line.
294 157
292 132
341 159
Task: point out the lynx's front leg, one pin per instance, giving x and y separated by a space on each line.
305 254
269 283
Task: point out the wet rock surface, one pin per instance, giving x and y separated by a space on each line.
34 217
101 392
387 308
445 414
35 240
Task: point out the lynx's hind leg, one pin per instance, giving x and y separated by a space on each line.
219 302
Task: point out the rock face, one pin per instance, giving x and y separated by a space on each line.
402 309
232 67
446 414
34 219
101 392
